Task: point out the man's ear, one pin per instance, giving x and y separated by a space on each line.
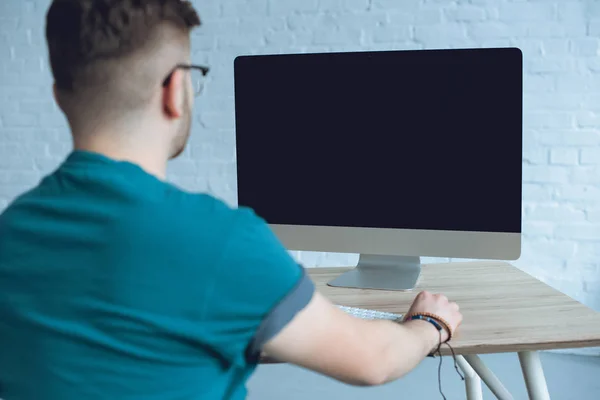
174 95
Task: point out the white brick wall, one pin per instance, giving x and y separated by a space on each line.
560 40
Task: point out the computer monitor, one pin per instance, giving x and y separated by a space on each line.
394 155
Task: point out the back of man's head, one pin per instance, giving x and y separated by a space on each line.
109 57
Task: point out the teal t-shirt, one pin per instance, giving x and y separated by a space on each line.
116 285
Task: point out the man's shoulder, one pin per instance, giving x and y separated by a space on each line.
204 205
213 215
22 199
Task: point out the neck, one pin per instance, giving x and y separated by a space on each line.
151 161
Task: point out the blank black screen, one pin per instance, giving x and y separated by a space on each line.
401 139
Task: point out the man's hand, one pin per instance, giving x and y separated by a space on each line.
439 305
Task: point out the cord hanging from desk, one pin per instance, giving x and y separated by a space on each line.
439 353
440 324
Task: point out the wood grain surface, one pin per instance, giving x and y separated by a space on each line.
504 308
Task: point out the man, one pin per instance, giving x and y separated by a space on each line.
116 285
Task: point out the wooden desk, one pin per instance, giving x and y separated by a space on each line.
505 310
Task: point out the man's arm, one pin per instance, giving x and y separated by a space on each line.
271 305
325 339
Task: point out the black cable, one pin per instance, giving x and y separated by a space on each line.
455 362
439 353
440 325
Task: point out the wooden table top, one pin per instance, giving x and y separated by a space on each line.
504 308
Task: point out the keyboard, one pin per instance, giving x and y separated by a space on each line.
363 313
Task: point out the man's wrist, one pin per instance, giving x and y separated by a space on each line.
427 332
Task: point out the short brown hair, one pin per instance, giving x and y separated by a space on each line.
88 39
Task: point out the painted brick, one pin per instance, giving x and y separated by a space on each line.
11 162
586 175
539 84
183 167
410 5
576 83
590 156
594 28
450 32
593 65
566 102
578 193
537 192
545 174
277 7
546 119
582 231
285 39
208 152
588 119
20 120
29 178
344 36
8 24
557 30
366 22
419 17
47 164
53 120
495 30
240 41
556 212
590 101
300 22
564 156
549 64
593 216
344 5
536 156
538 229
529 47
556 47
527 11
585 47
36 106
552 248
389 34
588 252
189 183
25 135
558 137
572 12
246 8
23 150
466 13
59 149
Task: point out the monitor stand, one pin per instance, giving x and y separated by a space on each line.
381 272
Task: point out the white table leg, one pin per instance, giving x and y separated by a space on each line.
534 375
488 378
472 380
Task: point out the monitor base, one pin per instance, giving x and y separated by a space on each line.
381 272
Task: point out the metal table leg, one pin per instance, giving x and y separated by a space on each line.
534 375
472 380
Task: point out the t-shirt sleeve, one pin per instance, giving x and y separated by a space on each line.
258 289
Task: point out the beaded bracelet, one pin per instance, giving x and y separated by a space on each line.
439 320
428 319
